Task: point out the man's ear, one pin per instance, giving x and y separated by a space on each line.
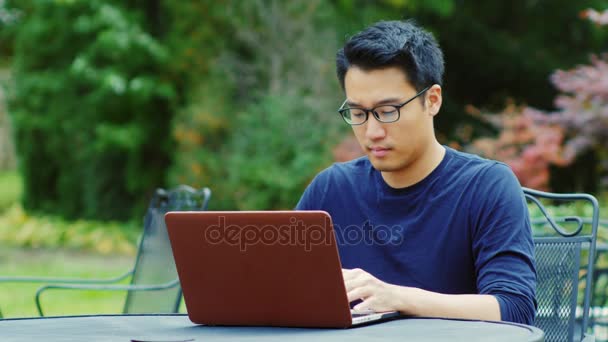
434 99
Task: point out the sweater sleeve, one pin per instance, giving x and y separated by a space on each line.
503 245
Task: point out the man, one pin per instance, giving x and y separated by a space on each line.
421 228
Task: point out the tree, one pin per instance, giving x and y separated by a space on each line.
91 109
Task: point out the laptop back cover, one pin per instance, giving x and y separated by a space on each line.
267 268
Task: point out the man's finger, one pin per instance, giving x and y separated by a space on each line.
355 282
352 273
358 293
365 305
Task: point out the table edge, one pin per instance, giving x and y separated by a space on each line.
536 333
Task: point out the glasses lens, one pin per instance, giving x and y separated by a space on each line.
353 116
387 113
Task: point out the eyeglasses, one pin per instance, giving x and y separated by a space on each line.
383 113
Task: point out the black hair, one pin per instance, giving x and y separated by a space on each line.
401 44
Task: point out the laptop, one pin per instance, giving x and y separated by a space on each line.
262 268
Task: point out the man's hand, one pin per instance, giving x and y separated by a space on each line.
375 294
379 296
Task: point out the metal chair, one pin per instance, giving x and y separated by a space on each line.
598 311
558 253
154 286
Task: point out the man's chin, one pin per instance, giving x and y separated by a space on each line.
380 165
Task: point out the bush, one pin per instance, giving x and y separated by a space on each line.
276 150
583 110
260 121
10 183
19 229
91 112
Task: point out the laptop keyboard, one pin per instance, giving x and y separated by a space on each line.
354 313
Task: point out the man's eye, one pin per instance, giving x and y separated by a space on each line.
386 110
357 113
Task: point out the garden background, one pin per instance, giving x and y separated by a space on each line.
102 101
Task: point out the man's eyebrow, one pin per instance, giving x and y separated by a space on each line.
391 100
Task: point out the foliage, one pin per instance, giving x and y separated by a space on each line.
139 73
495 50
582 105
286 50
254 129
200 132
7 148
202 122
531 140
19 229
10 184
278 139
439 7
8 17
274 155
600 18
90 108
583 109
7 14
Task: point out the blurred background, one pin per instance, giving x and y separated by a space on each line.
102 101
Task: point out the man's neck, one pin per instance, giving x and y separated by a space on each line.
418 170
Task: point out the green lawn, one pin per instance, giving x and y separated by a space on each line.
17 300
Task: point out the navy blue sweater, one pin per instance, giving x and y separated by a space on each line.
464 229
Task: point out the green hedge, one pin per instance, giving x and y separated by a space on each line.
91 114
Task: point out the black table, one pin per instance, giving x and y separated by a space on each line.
179 328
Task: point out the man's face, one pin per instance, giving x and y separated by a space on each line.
392 147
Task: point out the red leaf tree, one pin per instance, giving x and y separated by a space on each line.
530 140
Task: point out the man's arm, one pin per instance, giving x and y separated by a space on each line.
502 244
380 296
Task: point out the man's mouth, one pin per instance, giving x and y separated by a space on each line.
378 151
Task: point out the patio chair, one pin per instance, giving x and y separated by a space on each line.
154 287
599 284
599 301
558 253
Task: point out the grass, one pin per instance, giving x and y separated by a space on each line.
17 299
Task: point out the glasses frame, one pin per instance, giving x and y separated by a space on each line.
373 110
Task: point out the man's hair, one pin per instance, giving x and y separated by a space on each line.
394 44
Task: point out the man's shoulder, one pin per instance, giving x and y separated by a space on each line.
357 164
484 179
348 169
340 180
470 163
480 176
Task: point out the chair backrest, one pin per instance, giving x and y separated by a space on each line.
154 263
560 247
599 300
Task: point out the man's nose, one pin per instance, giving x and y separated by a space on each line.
375 129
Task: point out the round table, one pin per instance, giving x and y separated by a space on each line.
179 328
